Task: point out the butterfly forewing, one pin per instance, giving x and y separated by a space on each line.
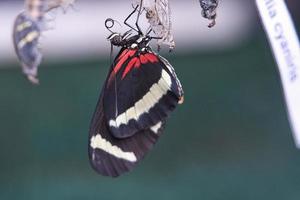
140 92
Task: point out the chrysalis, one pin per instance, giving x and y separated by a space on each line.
64 4
209 10
27 30
158 13
26 38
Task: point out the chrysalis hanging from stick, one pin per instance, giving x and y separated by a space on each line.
158 13
28 26
209 10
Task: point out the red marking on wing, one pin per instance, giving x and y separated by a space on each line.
123 53
122 59
138 61
143 59
130 65
151 57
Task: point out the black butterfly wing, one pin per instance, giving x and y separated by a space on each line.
140 92
111 156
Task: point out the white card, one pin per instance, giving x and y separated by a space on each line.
284 41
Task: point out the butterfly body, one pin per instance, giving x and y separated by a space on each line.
139 42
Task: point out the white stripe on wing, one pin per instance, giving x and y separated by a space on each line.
148 101
98 142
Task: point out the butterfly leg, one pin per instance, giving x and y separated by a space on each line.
138 17
125 21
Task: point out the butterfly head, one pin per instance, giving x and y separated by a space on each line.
132 42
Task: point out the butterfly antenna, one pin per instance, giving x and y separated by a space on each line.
110 23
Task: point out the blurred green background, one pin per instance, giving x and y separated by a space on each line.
229 140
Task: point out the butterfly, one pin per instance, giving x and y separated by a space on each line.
140 92
27 29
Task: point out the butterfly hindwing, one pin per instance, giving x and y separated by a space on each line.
111 156
140 92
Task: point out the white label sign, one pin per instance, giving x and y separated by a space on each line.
283 39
